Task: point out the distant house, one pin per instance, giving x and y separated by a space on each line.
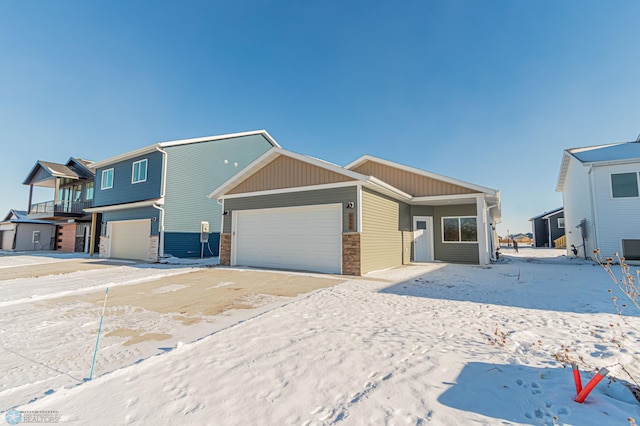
522 239
18 233
600 188
72 190
291 211
547 227
153 200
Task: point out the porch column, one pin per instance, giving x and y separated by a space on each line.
483 246
92 240
30 199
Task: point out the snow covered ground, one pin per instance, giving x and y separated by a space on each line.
435 344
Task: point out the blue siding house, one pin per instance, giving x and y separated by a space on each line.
153 201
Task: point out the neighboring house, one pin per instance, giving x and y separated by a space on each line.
600 188
73 188
547 227
291 211
18 233
154 201
522 239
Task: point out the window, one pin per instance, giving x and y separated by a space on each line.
631 249
421 224
89 195
561 222
459 229
139 171
624 185
107 179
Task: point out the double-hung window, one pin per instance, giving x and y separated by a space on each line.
107 179
139 171
624 185
459 229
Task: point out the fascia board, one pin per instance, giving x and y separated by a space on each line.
420 172
126 206
271 155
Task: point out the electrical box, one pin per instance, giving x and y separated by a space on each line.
35 239
204 232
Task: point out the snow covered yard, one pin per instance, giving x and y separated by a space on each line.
436 343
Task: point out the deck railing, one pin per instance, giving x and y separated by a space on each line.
48 207
561 242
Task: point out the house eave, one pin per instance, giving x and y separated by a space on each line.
125 206
431 175
160 145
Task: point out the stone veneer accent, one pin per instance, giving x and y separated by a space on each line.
225 249
153 248
103 246
351 253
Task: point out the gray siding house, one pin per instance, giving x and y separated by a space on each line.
153 200
291 211
72 189
547 227
18 233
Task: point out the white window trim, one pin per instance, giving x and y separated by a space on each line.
133 168
459 229
623 173
102 185
561 219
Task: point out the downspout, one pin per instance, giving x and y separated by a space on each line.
481 229
493 247
221 204
161 226
549 229
594 217
163 187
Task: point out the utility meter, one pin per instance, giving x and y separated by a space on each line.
204 232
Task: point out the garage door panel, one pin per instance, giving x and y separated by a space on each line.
129 239
307 238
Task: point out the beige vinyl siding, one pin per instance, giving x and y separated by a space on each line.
287 172
300 198
411 183
383 222
454 252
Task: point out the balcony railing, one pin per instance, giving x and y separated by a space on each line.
48 207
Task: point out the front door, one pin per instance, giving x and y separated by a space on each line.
423 238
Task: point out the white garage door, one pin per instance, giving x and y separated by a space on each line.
305 238
129 239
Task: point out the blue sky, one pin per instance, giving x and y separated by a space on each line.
489 92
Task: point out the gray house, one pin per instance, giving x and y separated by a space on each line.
287 210
71 185
18 233
547 227
153 200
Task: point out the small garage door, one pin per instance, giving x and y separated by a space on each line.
305 238
129 239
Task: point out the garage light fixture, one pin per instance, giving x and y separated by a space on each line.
351 205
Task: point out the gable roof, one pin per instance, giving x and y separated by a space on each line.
74 168
549 213
15 214
470 187
20 216
160 145
598 155
274 153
